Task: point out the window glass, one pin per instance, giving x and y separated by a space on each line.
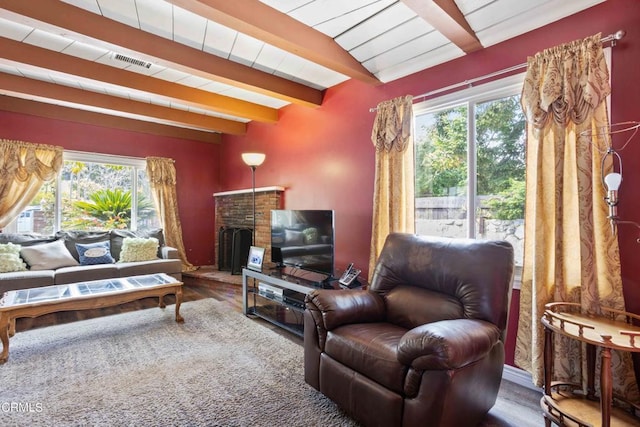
470 163
441 172
92 192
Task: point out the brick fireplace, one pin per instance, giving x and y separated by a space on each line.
234 209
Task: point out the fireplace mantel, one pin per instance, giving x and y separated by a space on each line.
248 190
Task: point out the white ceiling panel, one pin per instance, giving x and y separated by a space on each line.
188 28
90 5
171 75
285 6
399 35
47 40
85 51
120 10
410 50
156 17
340 24
219 39
417 63
269 58
319 11
375 26
469 6
246 49
14 30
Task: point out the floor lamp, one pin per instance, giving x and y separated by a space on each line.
253 160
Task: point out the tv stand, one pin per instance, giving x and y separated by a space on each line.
278 297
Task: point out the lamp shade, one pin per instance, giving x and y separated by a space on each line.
253 159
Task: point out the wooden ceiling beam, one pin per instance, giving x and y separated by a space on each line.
41 109
446 17
16 86
47 59
76 23
275 28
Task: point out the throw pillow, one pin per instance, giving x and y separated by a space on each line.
139 249
10 258
293 238
94 253
311 236
48 256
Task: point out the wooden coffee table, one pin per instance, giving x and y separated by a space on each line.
82 296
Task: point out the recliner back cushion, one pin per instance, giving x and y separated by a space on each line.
410 306
477 273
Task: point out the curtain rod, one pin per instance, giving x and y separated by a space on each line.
613 38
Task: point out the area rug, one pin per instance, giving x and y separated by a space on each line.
219 368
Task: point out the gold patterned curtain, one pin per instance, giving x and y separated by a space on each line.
570 253
24 167
393 194
162 176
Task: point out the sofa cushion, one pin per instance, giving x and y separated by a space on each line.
25 280
139 249
95 253
48 256
85 273
10 258
72 237
118 236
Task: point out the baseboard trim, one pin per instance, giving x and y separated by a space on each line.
518 376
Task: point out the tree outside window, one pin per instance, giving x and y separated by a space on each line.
91 195
470 158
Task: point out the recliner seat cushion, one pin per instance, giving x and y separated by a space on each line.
370 349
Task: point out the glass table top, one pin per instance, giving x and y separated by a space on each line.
96 287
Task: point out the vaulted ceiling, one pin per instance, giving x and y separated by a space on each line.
199 68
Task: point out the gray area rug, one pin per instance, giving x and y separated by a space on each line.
219 368
142 368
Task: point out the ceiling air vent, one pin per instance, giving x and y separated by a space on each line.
130 60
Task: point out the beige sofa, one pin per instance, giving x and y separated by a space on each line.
37 274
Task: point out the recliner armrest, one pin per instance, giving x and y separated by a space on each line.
447 344
340 307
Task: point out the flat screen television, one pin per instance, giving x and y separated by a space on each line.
303 239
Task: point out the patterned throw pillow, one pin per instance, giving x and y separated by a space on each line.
139 249
95 253
10 258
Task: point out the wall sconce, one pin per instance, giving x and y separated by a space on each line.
253 160
613 179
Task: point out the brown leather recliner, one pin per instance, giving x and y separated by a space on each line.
424 344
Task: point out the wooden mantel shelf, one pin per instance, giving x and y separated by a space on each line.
249 190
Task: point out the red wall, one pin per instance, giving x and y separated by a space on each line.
325 157
195 162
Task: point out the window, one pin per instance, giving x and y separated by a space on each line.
470 164
92 192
